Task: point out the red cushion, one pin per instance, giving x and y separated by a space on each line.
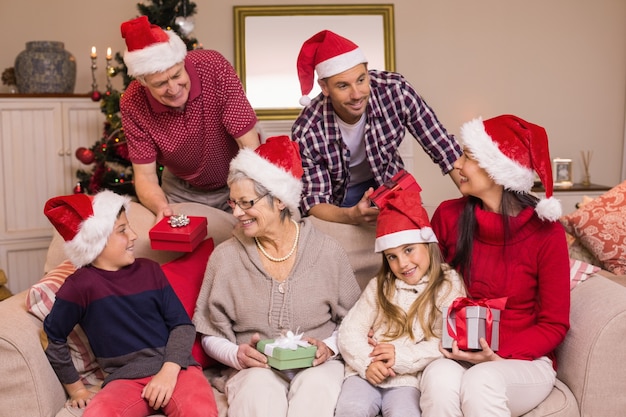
185 275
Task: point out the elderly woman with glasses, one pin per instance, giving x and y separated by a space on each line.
275 275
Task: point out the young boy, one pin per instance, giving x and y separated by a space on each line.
136 326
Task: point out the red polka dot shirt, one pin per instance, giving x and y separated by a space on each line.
198 143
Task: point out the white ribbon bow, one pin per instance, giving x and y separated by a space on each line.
289 341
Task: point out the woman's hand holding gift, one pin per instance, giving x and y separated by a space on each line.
249 357
484 355
323 352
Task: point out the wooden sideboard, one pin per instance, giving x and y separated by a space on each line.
38 139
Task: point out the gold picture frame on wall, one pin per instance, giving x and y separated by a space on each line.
268 40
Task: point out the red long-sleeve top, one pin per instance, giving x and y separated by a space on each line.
531 268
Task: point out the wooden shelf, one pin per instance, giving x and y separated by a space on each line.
44 95
577 187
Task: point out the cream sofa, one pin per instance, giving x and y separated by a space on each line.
591 375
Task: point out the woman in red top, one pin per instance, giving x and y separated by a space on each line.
506 243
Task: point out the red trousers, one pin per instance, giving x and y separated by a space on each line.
192 397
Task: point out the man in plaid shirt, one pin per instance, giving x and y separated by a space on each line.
349 135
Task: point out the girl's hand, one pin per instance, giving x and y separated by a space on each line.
484 355
377 372
323 352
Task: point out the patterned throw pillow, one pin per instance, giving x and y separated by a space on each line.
600 225
580 271
39 302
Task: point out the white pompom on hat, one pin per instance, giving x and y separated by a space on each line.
85 223
149 48
511 150
327 53
277 166
402 220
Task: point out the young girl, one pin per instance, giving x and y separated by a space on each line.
403 308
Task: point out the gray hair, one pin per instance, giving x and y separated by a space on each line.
234 175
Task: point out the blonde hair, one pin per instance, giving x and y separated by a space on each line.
424 308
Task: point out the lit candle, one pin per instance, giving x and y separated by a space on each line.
93 52
109 53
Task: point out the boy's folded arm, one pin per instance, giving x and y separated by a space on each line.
179 344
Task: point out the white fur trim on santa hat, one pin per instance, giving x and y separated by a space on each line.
549 209
280 183
340 63
404 237
157 57
503 170
94 232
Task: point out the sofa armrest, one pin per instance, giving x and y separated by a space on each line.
29 386
591 356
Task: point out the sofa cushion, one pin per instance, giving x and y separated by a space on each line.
39 302
580 271
600 225
185 275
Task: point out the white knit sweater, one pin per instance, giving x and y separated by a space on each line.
412 356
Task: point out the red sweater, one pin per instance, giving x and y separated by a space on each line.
531 269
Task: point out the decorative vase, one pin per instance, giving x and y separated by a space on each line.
45 67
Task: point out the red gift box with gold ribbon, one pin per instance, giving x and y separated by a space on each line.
467 320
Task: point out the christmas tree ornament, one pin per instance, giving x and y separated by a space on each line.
95 95
185 24
84 155
78 189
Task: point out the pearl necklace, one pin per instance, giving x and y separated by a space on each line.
284 258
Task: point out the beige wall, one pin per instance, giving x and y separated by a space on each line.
558 63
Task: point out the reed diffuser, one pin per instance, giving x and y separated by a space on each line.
586 157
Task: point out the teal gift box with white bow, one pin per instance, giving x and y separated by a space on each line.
287 352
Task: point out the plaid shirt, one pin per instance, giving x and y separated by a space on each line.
394 107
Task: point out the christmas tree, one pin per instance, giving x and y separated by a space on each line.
112 169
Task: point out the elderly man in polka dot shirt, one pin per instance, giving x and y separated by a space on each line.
185 110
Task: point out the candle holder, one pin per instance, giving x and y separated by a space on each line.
95 94
110 70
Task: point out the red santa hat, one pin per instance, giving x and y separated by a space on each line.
277 166
85 223
150 49
402 220
327 53
511 150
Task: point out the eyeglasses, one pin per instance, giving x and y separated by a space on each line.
244 205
